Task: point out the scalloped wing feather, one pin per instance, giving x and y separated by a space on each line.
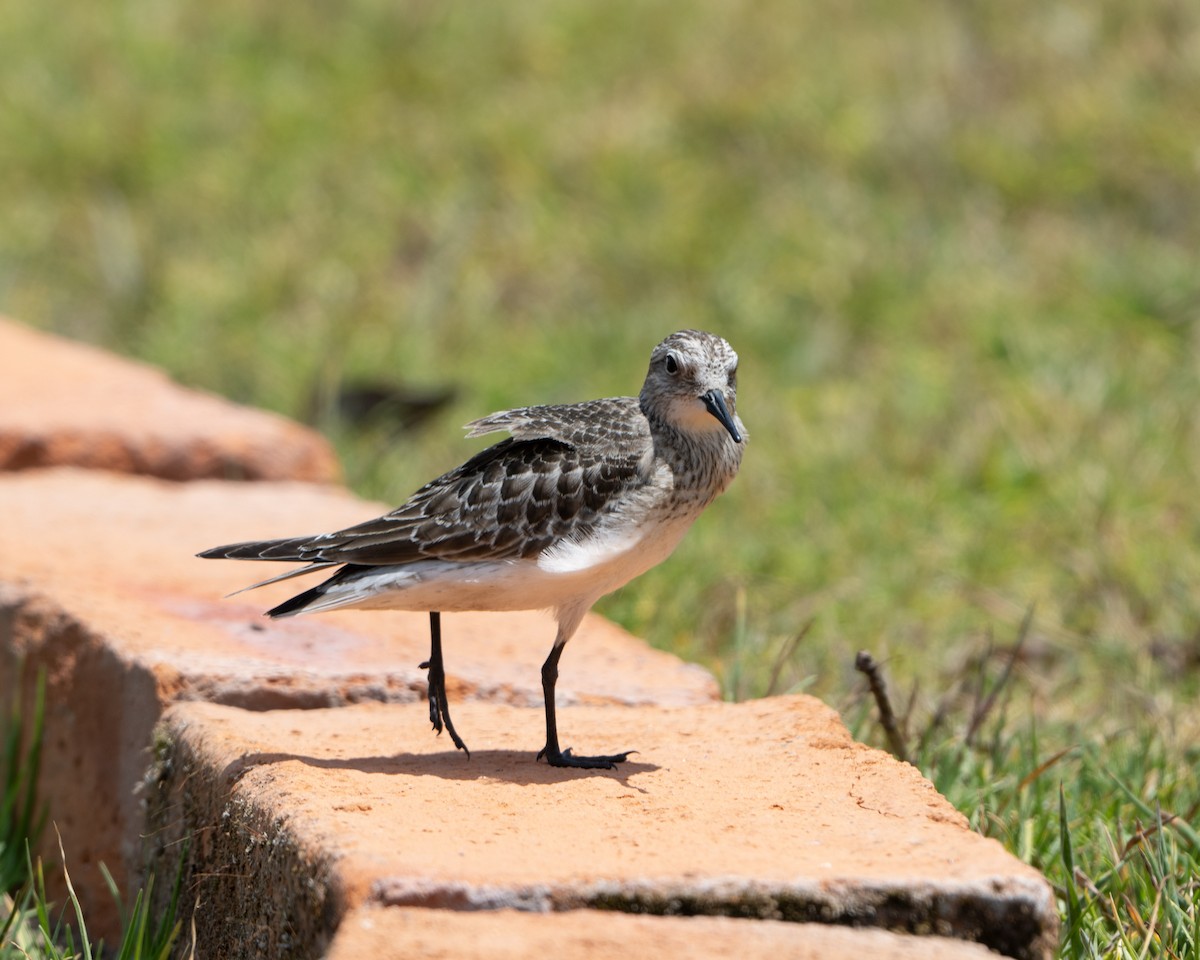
563 469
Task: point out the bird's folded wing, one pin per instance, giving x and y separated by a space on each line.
508 502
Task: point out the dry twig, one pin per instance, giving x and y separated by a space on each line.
865 663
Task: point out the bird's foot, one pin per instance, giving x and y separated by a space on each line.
439 706
564 758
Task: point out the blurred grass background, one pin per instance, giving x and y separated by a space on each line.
957 245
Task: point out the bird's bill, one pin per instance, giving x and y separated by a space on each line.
715 402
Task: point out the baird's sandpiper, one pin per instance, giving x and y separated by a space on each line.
580 499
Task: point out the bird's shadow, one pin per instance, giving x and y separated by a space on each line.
510 766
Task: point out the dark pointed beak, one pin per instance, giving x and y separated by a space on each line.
715 401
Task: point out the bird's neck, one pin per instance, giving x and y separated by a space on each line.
705 463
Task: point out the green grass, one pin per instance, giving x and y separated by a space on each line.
956 245
22 817
31 926
1109 818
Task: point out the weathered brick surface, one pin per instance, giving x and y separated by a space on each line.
64 403
421 934
764 810
355 829
99 587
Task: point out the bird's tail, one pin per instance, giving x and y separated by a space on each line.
320 597
297 604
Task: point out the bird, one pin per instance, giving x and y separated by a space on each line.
578 500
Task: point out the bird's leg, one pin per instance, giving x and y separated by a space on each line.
439 705
564 758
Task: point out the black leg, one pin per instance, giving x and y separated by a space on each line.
439 705
564 758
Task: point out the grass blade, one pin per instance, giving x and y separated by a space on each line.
83 935
1074 931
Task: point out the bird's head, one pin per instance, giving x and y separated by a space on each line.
692 384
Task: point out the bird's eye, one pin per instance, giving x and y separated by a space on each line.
733 377
671 364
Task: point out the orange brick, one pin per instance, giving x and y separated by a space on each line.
64 403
